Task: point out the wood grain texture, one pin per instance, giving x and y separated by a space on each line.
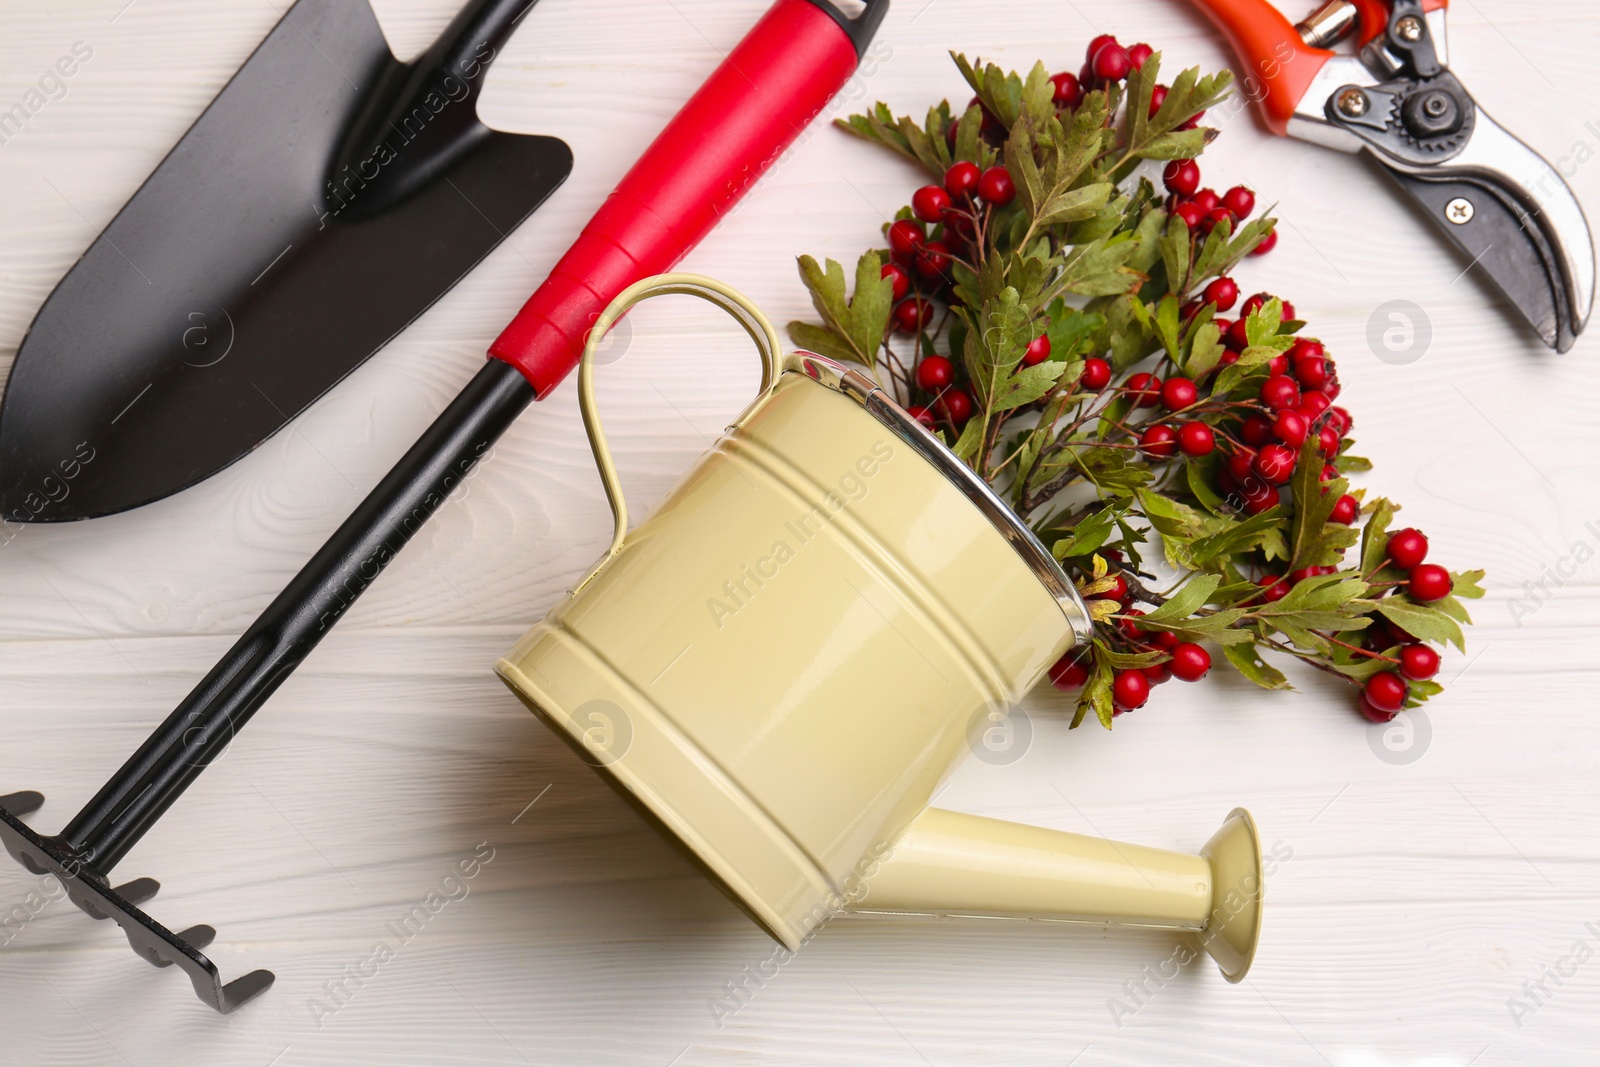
1418 899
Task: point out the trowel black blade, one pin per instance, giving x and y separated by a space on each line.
327 197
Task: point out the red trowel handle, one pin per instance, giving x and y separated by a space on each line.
752 107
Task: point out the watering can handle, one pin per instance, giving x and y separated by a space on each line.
732 301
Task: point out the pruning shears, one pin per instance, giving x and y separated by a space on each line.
1394 96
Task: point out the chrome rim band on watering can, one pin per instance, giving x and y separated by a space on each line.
841 379
791 746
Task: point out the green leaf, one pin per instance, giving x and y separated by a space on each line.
859 323
995 346
1187 600
1467 584
1096 691
822 341
1100 268
1020 162
1091 532
1249 663
1026 385
970 441
1235 538
1071 331
1205 351
1314 541
1422 621
1375 536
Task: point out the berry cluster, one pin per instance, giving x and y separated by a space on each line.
1061 320
1409 659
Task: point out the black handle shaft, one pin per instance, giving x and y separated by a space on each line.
292 625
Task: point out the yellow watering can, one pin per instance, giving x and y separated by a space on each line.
782 663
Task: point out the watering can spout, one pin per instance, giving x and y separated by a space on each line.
949 863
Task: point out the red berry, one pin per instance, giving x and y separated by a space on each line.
1158 441
1158 673
933 259
1312 371
1130 690
922 415
1373 714
1129 625
930 203
1118 590
1068 672
1328 442
1190 662
897 274
1096 374
1304 349
1138 54
1178 393
912 315
905 237
1158 96
1266 244
1238 336
955 405
1145 389
1111 63
1190 213
1068 92
1241 465
1254 303
1038 351
1239 201
1256 430
1329 473
1419 662
1345 510
1181 177
1279 392
1223 292
1407 548
1229 356
1312 404
1288 312
935 373
962 178
1193 121
1165 639
1386 691
1340 420
1332 388
1291 428
1097 43
996 186
1429 582
1275 463
1258 500
1273 587
1196 439
1216 217
1206 200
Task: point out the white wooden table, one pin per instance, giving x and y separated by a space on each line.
1421 895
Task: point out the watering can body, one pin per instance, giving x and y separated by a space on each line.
782 663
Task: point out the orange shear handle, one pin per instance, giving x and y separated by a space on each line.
1278 65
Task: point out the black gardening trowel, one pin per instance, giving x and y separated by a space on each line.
324 200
